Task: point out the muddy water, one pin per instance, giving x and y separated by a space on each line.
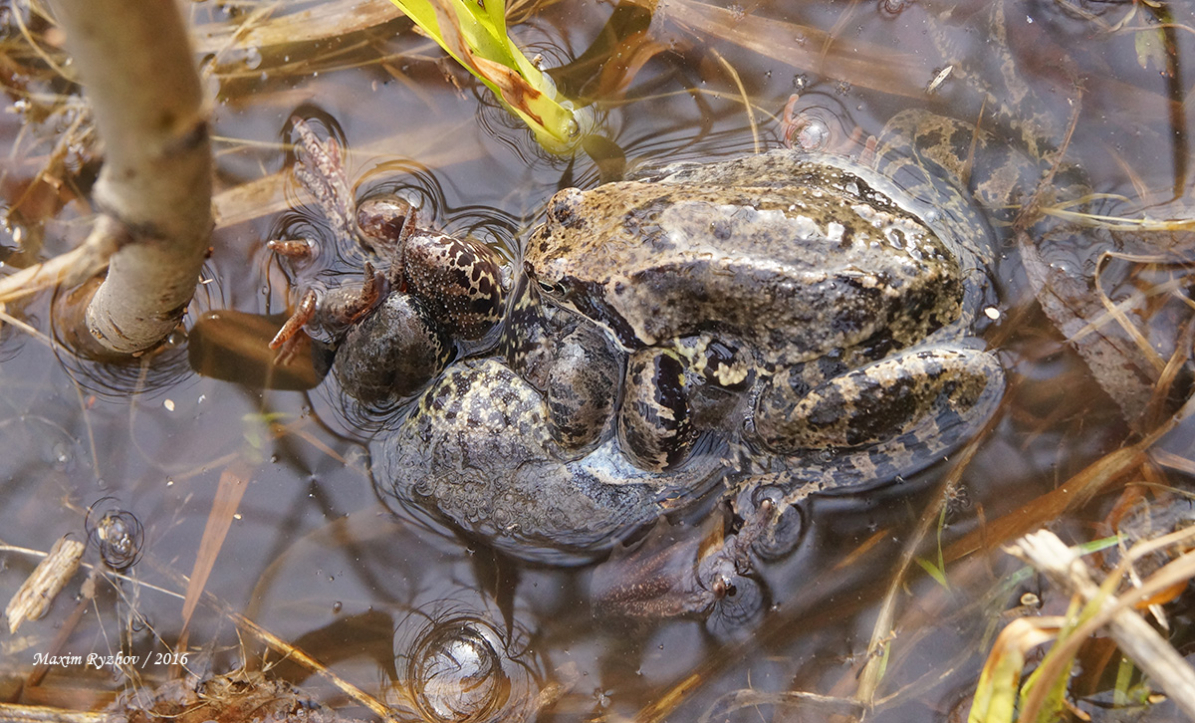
318 558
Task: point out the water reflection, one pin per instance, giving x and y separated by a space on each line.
444 645
161 368
459 666
356 594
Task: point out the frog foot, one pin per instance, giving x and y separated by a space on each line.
343 307
286 341
676 571
722 567
337 311
320 169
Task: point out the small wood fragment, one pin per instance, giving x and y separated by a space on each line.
39 590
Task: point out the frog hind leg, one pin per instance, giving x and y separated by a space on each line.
655 426
885 420
581 389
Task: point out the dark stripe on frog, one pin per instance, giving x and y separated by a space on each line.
587 299
864 410
834 311
924 306
655 418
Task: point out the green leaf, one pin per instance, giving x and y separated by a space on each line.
937 571
1150 45
995 699
934 571
996 693
474 33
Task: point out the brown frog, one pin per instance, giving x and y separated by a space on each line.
400 328
783 324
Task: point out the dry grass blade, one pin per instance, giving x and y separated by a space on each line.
882 631
1131 632
1048 507
1070 303
276 643
58 68
19 324
1173 461
624 64
66 628
862 64
792 699
326 20
738 82
1123 361
15 713
233 482
1119 223
1117 313
68 269
380 710
252 199
267 195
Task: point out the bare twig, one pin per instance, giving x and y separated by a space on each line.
49 577
45 714
136 67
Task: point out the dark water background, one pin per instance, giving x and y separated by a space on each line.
316 558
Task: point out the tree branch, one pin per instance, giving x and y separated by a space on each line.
135 64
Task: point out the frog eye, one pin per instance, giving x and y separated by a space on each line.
557 290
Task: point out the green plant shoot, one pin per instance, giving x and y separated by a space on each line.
474 33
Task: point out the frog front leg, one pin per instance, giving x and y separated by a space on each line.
336 311
886 419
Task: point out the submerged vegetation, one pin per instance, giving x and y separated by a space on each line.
235 548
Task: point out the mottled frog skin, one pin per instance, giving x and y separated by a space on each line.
478 452
779 324
846 298
399 329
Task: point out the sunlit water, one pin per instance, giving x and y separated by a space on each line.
316 556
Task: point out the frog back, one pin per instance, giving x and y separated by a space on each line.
797 255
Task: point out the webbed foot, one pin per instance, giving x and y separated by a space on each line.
320 169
